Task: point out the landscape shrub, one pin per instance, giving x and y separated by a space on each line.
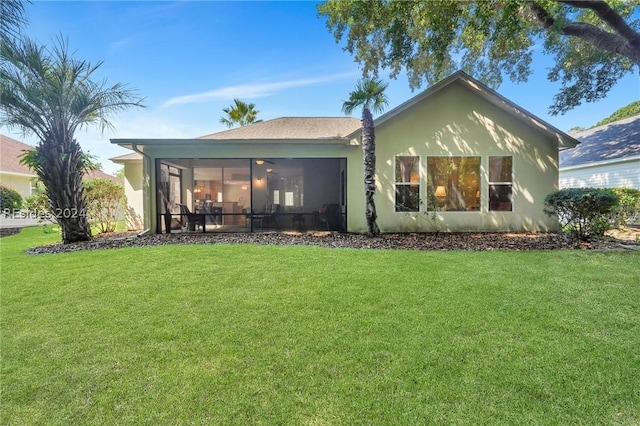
583 212
628 207
38 204
10 199
103 198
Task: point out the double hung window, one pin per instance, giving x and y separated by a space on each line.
407 182
501 184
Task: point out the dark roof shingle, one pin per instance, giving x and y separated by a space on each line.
616 140
292 128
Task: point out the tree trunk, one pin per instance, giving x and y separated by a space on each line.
369 158
60 169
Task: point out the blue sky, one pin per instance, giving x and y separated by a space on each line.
190 59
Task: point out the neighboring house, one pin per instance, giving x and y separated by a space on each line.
20 177
13 174
608 156
456 157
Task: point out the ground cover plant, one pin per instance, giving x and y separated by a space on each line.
246 334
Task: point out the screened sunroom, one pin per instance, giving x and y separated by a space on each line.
250 195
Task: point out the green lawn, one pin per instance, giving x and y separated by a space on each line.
304 335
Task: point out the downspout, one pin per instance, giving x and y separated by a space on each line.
146 200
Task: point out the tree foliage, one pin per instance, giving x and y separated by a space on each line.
368 94
45 91
594 43
240 113
626 111
12 19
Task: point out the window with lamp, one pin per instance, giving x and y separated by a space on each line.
453 184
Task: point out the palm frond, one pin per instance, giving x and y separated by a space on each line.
368 94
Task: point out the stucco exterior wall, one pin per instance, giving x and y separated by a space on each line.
19 183
134 210
624 173
456 122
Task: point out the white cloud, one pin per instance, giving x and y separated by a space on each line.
255 90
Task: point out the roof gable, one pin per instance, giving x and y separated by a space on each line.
562 139
617 140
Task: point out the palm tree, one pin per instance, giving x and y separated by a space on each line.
369 93
13 19
241 113
46 92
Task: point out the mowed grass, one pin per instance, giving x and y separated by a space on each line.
241 334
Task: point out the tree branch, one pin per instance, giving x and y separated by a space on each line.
608 15
625 41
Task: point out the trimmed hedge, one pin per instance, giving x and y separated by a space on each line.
584 212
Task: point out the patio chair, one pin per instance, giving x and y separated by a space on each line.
190 220
329 218
270 215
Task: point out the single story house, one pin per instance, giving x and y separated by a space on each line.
608 156
20 177
456 157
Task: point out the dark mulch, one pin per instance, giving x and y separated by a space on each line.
5 232
412 241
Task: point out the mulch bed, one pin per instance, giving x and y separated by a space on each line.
5 232
411 241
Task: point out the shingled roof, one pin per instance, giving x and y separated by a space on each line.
11 151
620 139
298 128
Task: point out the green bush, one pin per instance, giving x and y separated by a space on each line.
103 197
629 206
39 204
9 199
583 212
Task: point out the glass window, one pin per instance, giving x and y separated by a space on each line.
407 182
501 183
453 183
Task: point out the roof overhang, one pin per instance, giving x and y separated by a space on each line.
601 163
140 144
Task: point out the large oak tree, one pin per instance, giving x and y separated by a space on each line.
594 42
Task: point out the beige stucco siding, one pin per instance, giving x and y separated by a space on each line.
457 122
133 191
19 183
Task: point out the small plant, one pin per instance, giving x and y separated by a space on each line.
584 212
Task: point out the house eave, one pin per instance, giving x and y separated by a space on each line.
29 175
600 163
201 143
